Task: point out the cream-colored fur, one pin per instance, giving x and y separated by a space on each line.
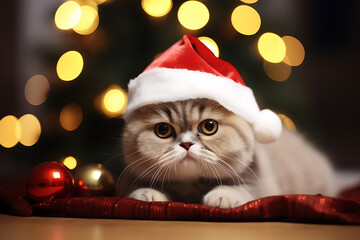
225 170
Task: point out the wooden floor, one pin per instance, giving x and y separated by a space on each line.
40 228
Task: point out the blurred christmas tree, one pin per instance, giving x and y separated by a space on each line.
110 42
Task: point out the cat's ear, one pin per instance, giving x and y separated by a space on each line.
267 126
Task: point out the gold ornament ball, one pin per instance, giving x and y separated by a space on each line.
94 180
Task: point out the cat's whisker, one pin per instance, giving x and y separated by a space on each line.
202 168
206 170
126 168
222 168
215 172
213 159
144 173
175 167
160 156
157 175
210 161
167 172
230 170
245 165
138 160
237 180
114 156
141 160
153 177
130 154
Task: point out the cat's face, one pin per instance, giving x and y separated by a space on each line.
186 140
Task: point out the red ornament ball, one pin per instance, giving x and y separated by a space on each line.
49 180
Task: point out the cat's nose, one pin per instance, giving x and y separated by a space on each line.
186 145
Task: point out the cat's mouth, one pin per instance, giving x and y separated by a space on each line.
188 158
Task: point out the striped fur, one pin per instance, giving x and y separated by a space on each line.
225 169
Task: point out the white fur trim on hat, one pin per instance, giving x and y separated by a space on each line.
159 85
267 126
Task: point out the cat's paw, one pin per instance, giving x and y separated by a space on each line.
224 197
148 195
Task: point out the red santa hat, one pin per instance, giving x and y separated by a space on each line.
189 70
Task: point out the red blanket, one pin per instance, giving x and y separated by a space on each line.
345 209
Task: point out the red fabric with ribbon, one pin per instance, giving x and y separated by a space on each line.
292 208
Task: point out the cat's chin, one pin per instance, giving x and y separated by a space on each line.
188 159
187 169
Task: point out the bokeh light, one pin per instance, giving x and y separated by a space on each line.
67 15
30 130
211 44
157 8
91 3
10 131
271 47
36 89
193 15
277 71
288 123
246 20
295 52
71 116
249 1
70 162
88 22
96 174
112 102
69 65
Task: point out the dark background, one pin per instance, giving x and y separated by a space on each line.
321 95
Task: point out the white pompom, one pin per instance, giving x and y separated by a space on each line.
267 126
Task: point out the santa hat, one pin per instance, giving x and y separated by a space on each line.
189 70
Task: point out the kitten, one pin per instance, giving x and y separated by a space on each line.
197 151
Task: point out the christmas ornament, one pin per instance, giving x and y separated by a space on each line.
189 70
94 180
49 180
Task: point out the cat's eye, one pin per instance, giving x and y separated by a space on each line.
208 127
163 130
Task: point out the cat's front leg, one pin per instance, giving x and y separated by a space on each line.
227 197
149 195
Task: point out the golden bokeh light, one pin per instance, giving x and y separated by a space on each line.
156 8
295 52
112 102
271 47
246 20
10 131
71 116
88 22
67 15
91 3
211 44
70 162
69 66
36 89
30 130
96 174
277 71
193 15
288 123
249 1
